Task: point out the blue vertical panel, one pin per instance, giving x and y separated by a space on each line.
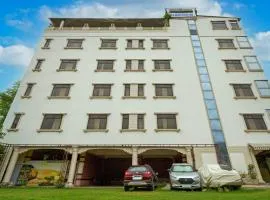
209 98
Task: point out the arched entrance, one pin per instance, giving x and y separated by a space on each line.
103 167
161 160
40 167
263 160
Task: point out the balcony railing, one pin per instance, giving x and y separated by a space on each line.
106 28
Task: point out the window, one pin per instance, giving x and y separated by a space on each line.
38 65
132 122
166 121
108 44
47 44
226 43
97 122
28 90
68 65
234 25
74 44
14 125
243 43
51 122
102 90
105 65
263 87
164 90
134 90
60 90
254 121
162 65
243 90
252 63
134 65
233 65
219 25
134 44
160 44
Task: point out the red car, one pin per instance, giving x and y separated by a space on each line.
140 176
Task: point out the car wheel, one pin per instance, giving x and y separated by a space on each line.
126 188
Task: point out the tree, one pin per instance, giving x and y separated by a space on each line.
6 99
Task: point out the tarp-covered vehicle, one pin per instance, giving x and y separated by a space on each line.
213 176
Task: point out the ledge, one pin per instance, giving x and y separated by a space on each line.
73 47
70 70
58 97
257 131
233 48
236 29
135 48
164 97
160 48
245 97
100 97
135 97
256 70
12 130
49 130
132 130
162 70
220 29
265 97
96 130
98 70
235 70
45 47
25 97
167 130
36 70
112 48
245 47
128 70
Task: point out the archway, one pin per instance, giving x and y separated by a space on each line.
161 160
263 160
103 167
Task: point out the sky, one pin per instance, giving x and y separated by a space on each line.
23 22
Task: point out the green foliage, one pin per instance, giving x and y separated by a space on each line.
167 16
6 99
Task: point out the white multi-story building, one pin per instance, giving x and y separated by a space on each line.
102 94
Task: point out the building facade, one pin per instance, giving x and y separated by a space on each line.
102 94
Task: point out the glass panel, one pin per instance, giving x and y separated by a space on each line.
218 136
201 63
254 66
265 92
195 38
251 59
192 27
199 56
208 95
204 78
191 22
213 114
206 86
262 84
197 49
210 104
196 43
215 124
203 70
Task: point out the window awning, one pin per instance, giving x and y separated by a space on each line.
261 147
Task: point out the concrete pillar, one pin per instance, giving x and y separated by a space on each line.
62 24
189 156
134 155
254 162
72 167
11 165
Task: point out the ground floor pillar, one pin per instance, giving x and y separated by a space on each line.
72 167
134 155
11 166
254 162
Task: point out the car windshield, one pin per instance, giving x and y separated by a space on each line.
182 168
137 169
